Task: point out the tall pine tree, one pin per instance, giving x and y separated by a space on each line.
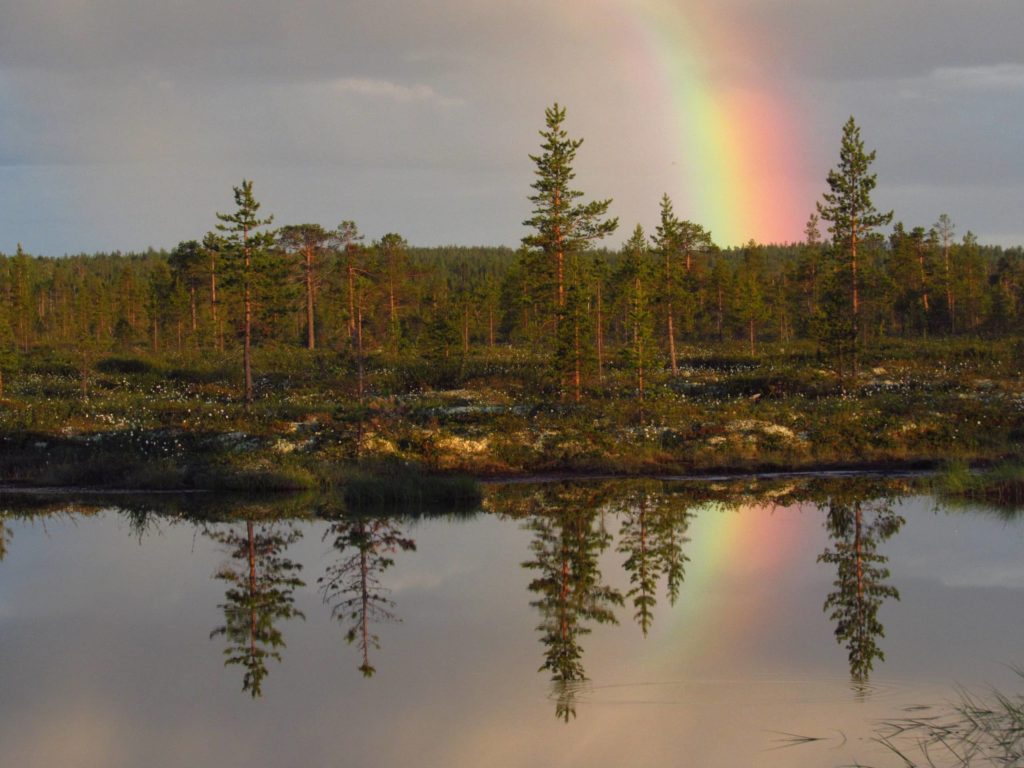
852 215
247 248
562 225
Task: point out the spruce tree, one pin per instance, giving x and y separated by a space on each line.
852 215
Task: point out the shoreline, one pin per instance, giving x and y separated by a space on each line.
838 470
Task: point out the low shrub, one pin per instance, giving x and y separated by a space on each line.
391 485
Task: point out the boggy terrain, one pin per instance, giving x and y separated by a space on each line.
179 422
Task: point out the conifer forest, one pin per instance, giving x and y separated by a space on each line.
591 347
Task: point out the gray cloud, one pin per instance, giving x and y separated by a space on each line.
837 40
1009 77
123 123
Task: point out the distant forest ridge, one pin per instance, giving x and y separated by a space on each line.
446 296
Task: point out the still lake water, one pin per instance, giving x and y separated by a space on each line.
617 623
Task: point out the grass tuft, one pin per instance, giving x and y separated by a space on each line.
977 731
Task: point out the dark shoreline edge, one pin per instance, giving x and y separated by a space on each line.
717 474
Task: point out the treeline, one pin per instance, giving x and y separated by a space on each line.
449 300
584 309
189 298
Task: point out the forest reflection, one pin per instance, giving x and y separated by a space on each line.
570 533
569 526
598 553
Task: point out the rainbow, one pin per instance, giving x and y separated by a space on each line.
738 147
727 544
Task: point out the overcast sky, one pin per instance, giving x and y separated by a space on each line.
125 123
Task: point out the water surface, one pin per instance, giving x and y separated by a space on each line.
603 624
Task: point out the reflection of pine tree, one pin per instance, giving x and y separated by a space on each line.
351 586
855 528
652 537
669 531
634 541
262 583
566 546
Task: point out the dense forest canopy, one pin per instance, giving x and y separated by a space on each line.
140 301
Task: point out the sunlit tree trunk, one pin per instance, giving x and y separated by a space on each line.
217 335
578 355
600 336
247 318
856 299
310 300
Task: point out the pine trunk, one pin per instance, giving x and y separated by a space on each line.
351 297
247 320
218 337
924 289
639 342
577 372
672 342
950 301
856 303
600 337
670 323
719 314
310 300
359 346
393 314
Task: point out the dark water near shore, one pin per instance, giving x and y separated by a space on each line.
613 623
